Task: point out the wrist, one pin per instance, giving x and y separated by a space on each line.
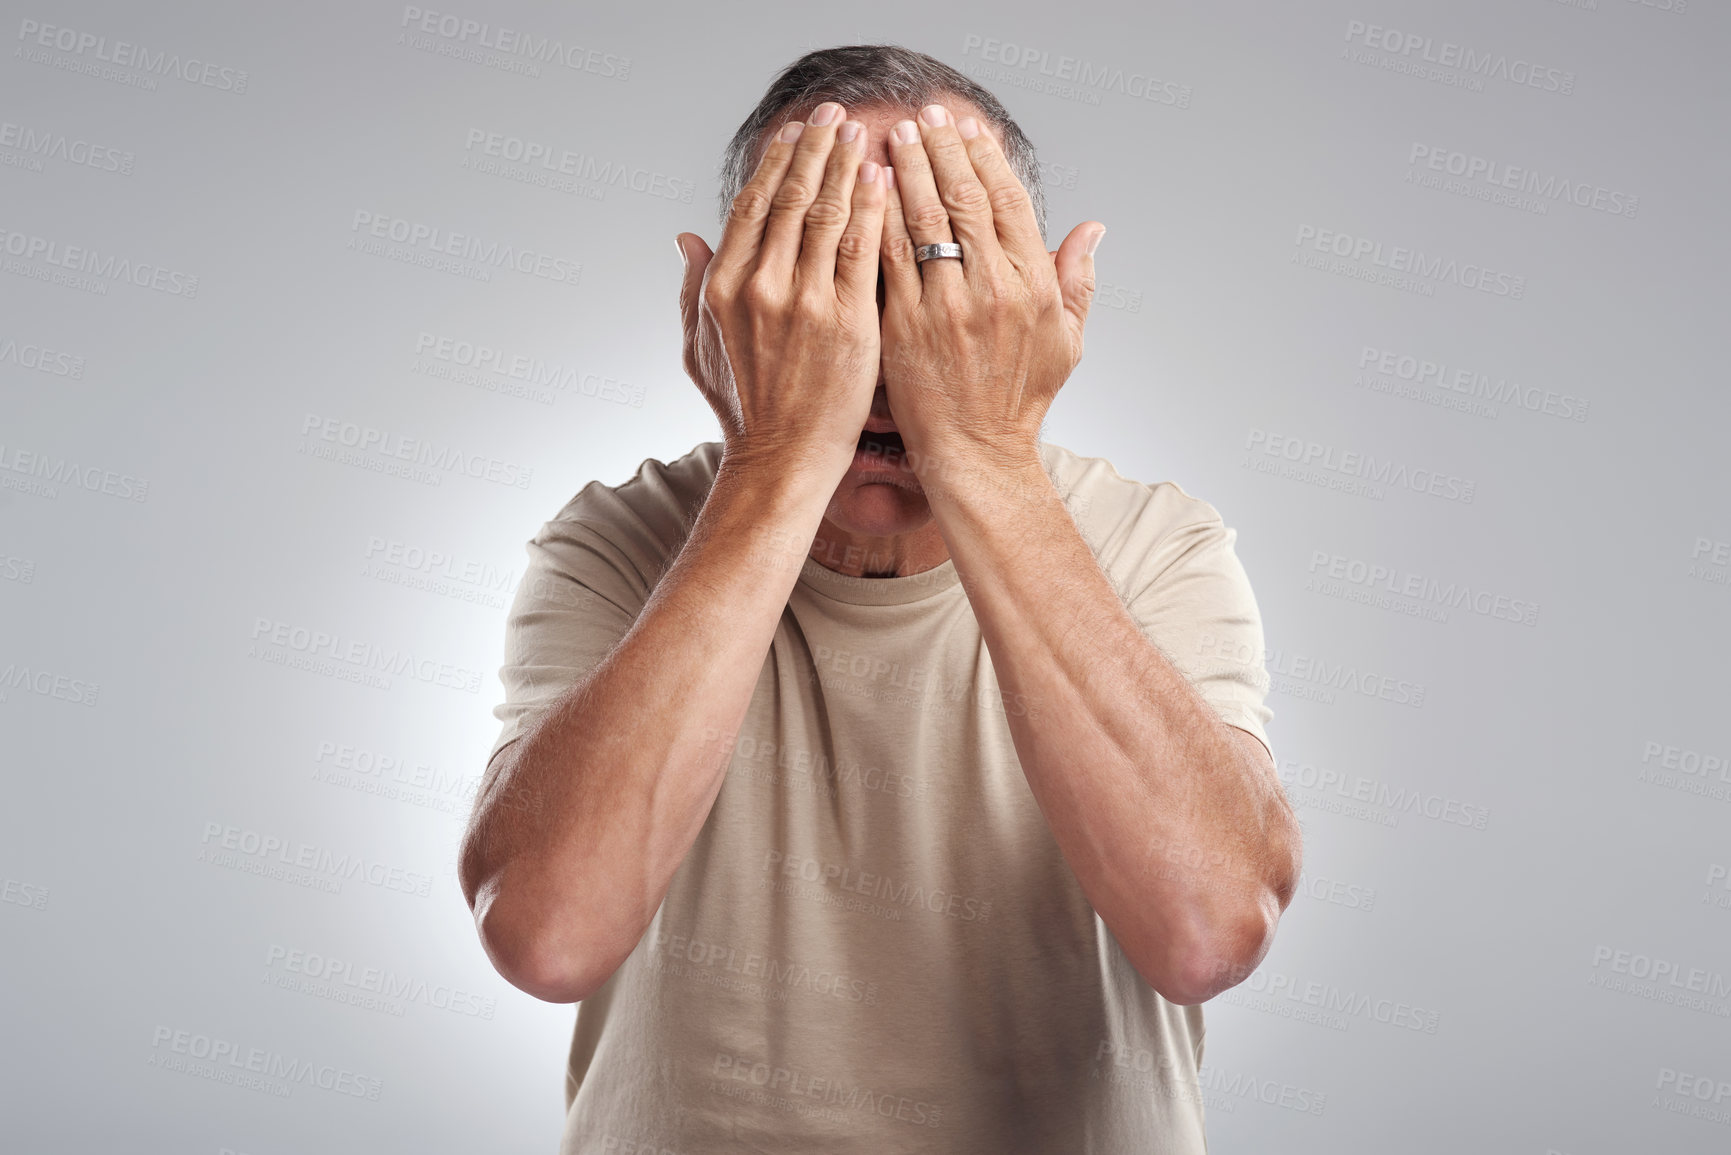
934 454
970 472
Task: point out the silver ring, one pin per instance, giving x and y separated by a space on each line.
947 249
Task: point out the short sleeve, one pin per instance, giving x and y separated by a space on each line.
1193 598
579 596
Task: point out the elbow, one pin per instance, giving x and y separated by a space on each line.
1217 960
534 956
1221 948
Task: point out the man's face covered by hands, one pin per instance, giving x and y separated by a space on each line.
880 495
830 353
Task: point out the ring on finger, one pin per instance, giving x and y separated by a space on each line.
944 249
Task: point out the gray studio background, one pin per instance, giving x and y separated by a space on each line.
1428 300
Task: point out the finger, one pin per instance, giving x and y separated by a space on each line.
697 255
1018 230
1075 268
746 216
798 189
960 190
856 258
829 212
902 285
928 221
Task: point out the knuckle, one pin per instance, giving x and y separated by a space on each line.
968 196
900 248
929 217
795 192
750 204
759 293
1003 291
1008 199
855 245
811 307
717 296
826 213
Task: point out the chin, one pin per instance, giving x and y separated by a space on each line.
875 502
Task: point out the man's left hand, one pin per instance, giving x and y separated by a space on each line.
974 350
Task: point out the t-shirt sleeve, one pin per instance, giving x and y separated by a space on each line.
579 595
1190 594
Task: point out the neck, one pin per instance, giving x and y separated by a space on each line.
866 555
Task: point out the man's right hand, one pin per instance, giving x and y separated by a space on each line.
781 326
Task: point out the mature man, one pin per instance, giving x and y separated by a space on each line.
869 776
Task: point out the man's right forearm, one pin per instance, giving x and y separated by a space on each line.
624 768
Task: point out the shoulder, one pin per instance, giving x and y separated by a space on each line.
629 529
653 508
1116 513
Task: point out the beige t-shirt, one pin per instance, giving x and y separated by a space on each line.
875 944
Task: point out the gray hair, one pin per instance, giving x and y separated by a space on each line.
858 75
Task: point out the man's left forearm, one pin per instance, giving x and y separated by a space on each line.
1173 821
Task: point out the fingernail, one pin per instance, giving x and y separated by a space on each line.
868 171
847 131
791 132
889 177
680 245
825 112
935 115
1095 243
968 127
907 132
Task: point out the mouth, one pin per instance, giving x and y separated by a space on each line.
880 447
